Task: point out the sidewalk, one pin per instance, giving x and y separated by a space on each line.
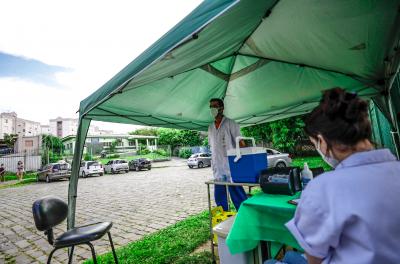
174 162
8 182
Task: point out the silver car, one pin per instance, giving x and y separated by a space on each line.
199 160
54 171
115 166
278 159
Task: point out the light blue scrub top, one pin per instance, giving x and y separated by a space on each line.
220 140
352 214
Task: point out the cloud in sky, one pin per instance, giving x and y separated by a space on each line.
92 39
28 69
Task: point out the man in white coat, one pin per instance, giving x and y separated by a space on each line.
222 134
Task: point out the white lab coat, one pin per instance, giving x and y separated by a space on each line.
220 140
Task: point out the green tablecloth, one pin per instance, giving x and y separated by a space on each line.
262 217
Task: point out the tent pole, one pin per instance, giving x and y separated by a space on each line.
394 123
76 162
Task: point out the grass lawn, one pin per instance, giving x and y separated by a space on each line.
17 184
173 244
10 176
151 156
29 177
312 162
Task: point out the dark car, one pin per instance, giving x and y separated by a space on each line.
54 171
139 164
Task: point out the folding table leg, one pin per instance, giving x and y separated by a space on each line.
227 197
211 229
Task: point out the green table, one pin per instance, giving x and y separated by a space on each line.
262 218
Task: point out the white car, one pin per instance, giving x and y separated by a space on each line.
199 160
89 168
278 159
114 166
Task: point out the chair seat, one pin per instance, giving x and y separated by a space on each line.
83 234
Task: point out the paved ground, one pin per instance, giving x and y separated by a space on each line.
138 203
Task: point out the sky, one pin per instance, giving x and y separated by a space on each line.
53 54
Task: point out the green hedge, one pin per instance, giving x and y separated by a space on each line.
185 153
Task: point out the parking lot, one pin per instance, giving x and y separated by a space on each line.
138 203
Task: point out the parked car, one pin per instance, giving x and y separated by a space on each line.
278 159
6 150
54 171
199 160
114 166
139 164
89 168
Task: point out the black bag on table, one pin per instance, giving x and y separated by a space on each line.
281 180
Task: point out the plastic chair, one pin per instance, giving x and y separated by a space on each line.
50 211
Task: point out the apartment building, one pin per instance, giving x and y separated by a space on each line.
11 124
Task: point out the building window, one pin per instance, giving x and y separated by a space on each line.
29 143
132 143
59 128
6 121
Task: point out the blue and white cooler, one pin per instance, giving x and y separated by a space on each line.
247 163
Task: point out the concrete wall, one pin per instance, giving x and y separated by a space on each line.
31 163
29 145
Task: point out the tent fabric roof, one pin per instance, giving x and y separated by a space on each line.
267 59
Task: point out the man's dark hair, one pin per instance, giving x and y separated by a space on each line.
341 117
220 101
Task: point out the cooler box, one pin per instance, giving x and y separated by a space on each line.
246 163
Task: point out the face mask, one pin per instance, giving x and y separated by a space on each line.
214 112
331 161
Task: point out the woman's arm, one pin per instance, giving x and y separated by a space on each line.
313 260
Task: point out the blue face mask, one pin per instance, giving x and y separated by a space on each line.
330 160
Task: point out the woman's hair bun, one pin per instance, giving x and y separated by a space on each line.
338 104
341 117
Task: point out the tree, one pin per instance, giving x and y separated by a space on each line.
283 134
176 137
168 136
10 139
262 132
53 143
54 149
286 133
145 132
205 141
114 144
189 138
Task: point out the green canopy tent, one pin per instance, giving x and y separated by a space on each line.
267 59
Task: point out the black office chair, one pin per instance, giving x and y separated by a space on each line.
50 211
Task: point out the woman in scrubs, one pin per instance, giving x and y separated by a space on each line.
350 214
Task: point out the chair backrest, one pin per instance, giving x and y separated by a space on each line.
48 212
